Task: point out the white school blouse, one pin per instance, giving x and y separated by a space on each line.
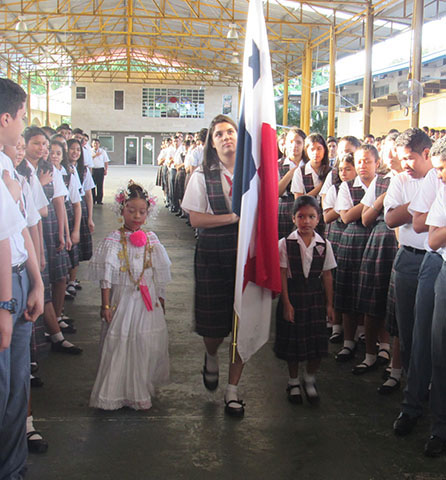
297 184
437 214
403 189
344 200
306 253
330 198
196 198
39 196
370 196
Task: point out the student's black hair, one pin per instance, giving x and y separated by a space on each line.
24 169
12 97
80 163
349 158
415 139
210 157
331 139
49 132
136 191
439 149
44 166
202 134
366 147
351 139
77 130
63 126
64 161
325 165
306 201
31 132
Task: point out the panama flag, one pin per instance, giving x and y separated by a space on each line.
255 192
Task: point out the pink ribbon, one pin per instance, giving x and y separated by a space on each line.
145 295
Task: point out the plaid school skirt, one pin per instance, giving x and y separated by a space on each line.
39 346
286 225
85 243
215 260
374 273
58 262
74 252
351 248
306 338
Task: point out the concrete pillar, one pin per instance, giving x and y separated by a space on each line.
47 120
306 91
28 100
332 84
367 95
417 26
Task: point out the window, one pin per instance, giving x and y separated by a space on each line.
349 99
172 103
107 142
81 93
119 99
380 91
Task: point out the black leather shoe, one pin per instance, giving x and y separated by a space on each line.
363 367
390 388
36 382
295 397
345 354
235 408
59 347
39 445
435 446
404 424
210 379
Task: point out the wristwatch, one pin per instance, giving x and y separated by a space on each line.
11 306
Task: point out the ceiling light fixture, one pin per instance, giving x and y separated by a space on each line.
21 26
232 33
234 59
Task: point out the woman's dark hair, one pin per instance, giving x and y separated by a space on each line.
306 201
24 169
352 140
44 166
210 157
31 132
80 163
348 158
325 165
202 134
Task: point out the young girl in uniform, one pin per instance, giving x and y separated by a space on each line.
306 261
133 270
295 157
310 177
335 226
374 275
352 244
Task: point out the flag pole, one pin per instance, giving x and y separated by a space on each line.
234 336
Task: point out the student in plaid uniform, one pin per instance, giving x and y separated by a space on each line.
295 157
310 178
306 261
208 202
335 226
352 245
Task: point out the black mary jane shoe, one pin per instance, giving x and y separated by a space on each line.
383 357
210 379
336 337
235 408
294 397
363 367
435 446
36 382
38 445
388 389
67 329
348 354
60 348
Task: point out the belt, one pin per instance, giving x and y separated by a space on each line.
19 268
417 251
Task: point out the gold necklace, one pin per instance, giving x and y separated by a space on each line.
123 256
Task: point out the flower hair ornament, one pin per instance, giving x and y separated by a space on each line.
123 195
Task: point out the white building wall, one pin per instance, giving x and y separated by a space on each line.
97 112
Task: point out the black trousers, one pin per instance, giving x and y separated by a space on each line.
98 177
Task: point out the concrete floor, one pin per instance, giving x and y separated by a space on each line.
186 434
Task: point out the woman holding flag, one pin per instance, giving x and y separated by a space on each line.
207 200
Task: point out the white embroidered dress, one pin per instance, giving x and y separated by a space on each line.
134 357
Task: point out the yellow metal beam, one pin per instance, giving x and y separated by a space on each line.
367 92
285 98
417 25
332 85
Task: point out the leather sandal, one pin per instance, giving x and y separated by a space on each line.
235 408
388 389
336 337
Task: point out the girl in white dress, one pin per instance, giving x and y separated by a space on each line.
133 269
